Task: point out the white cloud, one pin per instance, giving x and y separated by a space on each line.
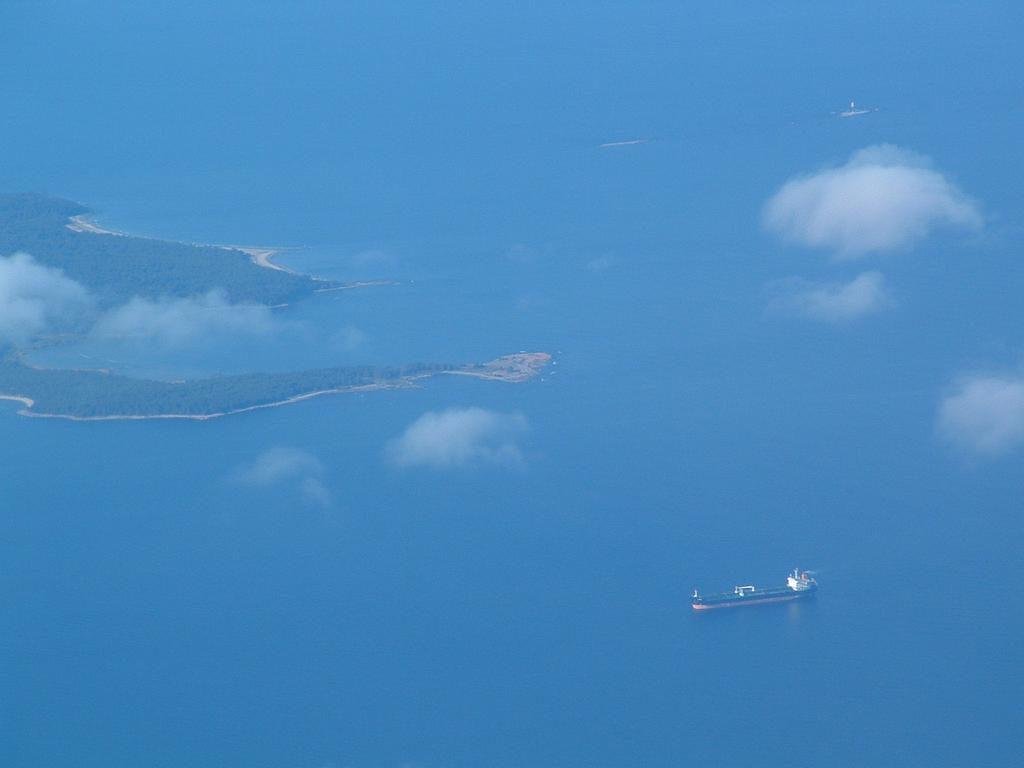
314 490
35 299
348 338
283 465
985 414
459 437
866 294
882 199
175 322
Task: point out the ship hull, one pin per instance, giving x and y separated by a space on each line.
731 600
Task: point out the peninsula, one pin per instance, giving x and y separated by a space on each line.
91 395
116 267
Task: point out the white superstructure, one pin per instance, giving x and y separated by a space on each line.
798 581
853 111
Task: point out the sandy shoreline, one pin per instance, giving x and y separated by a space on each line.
28 402
515 368
260 255
206 416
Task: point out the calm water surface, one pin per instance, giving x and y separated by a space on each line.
154 611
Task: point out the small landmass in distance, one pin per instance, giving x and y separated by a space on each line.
116 267
626 143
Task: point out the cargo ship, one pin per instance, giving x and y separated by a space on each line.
799 586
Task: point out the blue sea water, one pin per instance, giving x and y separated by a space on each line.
154 611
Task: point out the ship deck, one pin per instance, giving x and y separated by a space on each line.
771 594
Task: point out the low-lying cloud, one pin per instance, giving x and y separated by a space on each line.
176 322
834 302
460 437
348 338
985 414
282 466
884 198
35 299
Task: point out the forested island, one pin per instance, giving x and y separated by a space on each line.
113 268
87 395
118 267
